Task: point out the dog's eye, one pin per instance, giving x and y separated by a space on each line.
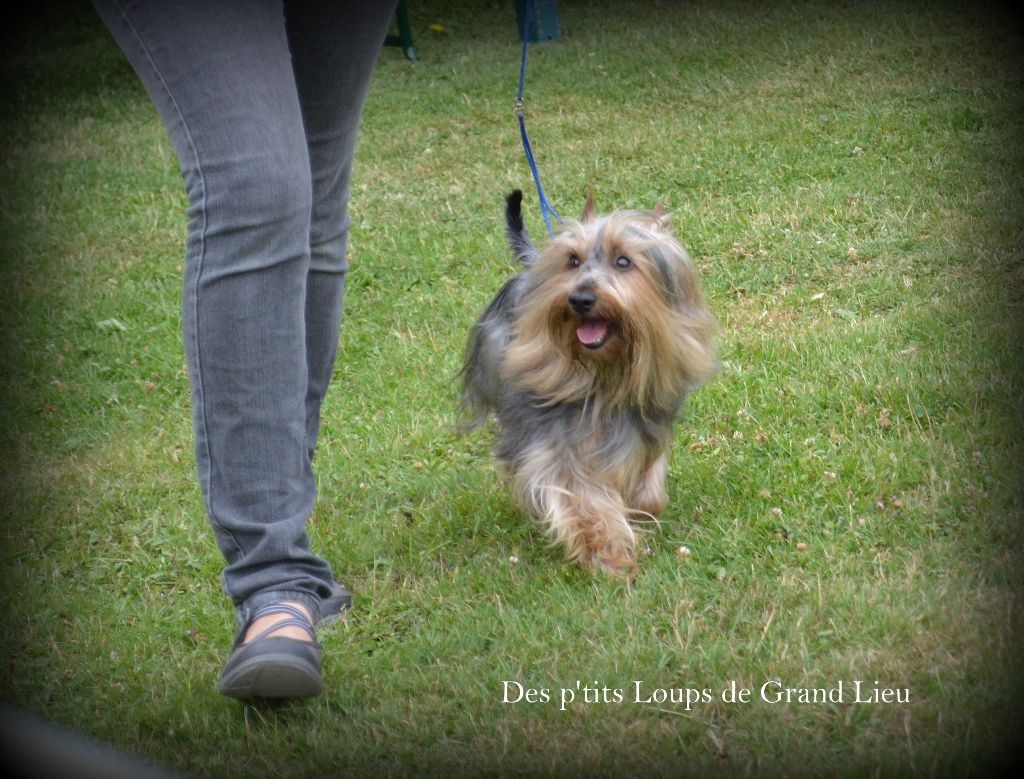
623 262
574 261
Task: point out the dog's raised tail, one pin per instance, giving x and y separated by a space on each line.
518 239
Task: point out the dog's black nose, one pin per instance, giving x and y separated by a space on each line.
582 301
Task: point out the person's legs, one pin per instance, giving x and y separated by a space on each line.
334 45
221 76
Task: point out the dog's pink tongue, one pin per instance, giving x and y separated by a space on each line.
592 332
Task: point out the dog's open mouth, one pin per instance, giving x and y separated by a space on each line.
593 333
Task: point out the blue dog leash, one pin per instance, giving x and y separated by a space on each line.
546 210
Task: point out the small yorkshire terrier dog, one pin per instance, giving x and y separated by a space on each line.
585 358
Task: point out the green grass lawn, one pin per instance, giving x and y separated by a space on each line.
848 178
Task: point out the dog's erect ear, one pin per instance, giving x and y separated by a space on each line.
588 214
660 217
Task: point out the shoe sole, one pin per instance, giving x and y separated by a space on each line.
272 676
275 668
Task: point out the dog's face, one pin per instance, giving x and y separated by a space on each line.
607 280
618 296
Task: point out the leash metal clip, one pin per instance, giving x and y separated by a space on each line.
520 107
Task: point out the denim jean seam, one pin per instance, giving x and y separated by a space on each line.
200 263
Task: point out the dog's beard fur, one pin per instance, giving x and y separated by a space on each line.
586 395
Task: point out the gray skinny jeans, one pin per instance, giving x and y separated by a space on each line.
262 100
